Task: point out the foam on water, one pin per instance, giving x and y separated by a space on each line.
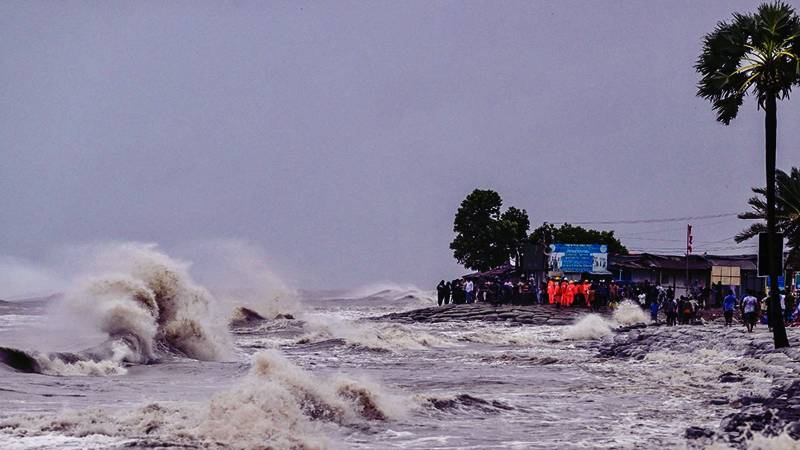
371 335
276 404
114 365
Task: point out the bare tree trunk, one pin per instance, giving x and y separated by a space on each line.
775 314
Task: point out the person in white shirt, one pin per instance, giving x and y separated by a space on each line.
750 307
469 288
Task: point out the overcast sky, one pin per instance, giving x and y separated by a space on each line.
341 137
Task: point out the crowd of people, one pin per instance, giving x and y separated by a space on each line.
597 295
556 291
495 291
753 311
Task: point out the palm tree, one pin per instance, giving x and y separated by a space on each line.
787 210
755 53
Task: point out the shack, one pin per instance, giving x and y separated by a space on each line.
731 271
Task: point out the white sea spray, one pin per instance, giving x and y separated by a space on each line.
277 404
591 326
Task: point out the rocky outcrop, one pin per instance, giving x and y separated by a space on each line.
769 415
515 314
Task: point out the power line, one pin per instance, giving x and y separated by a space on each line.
664 220
627 238
697 250
682 228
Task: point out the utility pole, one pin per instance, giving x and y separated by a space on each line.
689 240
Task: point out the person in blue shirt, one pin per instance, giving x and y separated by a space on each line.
728 305
654 311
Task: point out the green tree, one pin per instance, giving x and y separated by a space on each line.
755 53
570 234
485 238
513 231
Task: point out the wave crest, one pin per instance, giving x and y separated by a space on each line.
144 293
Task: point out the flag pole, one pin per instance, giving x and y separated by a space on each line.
688 250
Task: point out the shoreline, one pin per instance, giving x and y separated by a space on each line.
751 416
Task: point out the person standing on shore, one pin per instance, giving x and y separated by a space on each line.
684 310
790 306
568 296
654 311
750 306
558 292
728 305
641 299
448 288
456 292
591 297
669 310
469 289
440 292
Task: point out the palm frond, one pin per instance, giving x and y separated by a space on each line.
754 53
787 208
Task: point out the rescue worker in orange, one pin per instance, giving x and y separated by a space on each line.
551 291
569 296
556 294
561 293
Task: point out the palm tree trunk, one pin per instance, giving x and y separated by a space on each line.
775 313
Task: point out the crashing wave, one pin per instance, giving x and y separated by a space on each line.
147 305
590 326
390 337
151 296
276 405
593 326
243 317
391 295
630 313
465 402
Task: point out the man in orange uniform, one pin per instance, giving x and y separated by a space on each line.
551 291
569 296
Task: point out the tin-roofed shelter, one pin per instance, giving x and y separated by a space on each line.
737 271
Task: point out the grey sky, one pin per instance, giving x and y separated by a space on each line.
341 137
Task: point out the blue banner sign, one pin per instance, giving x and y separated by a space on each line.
579 258
781 283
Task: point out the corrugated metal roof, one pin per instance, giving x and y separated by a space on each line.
650 261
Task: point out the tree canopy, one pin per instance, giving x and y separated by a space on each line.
754 53
485 237
571 234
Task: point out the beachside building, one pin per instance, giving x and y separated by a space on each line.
732 271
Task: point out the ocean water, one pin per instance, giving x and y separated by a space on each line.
166 369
